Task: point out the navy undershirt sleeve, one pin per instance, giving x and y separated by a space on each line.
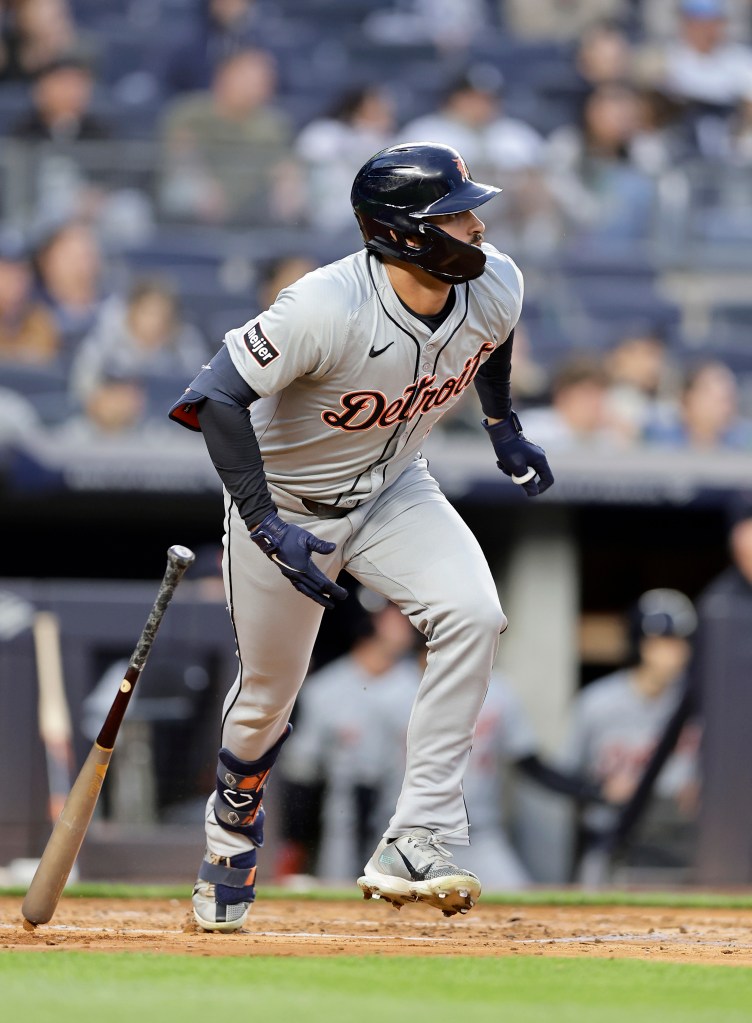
493 382
234 450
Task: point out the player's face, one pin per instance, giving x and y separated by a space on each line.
666 657
465 227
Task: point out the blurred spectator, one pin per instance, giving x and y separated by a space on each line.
578 414
562 20
334 148
228 152
61 102
142 337
702 66
36 33
280 274
223 27
708 416
659 19
617 720
27 332
444 23
349 738
663 140
471 118
643 383
69 269
498 149
604 54
113 410
18 419
63 178
592 171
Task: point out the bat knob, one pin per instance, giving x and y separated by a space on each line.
182 556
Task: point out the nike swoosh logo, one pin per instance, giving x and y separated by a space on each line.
377 351
416 875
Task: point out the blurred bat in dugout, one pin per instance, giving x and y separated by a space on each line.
65 841
54 716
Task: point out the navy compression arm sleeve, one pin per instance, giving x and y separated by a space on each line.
493 382
234 450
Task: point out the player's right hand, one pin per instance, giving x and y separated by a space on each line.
290 548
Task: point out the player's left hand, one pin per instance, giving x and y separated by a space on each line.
518 457
290 548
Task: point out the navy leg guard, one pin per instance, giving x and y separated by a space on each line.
240 789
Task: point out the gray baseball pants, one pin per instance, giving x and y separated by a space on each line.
410 545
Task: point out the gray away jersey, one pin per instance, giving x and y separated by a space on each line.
351 383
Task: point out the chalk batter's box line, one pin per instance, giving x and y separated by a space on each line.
591 939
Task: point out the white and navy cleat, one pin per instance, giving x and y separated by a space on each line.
417 868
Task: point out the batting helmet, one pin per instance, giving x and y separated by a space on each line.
664 613
398 188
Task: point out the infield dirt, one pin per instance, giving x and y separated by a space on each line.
299 928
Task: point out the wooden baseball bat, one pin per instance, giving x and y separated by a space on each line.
54 716
65 841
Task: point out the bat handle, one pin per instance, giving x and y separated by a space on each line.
178 560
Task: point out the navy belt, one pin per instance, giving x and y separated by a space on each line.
325 511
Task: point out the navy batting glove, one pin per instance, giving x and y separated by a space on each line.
518 458
290 548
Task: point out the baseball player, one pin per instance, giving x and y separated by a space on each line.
345 374
617 720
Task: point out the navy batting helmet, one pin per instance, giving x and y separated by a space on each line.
664 612
398 188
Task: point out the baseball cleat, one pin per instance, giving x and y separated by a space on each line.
417 868
224 891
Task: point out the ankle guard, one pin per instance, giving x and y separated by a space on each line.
240 789
233 877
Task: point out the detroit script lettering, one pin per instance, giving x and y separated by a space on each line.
362 410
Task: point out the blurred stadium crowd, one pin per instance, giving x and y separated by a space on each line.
166 166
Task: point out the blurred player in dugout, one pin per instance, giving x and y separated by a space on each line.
617 721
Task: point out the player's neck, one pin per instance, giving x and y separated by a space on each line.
650 683
420 291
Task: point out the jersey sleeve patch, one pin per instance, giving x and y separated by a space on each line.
260 347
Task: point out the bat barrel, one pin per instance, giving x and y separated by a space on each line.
65 841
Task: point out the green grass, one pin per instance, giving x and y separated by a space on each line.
68 987
672 899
